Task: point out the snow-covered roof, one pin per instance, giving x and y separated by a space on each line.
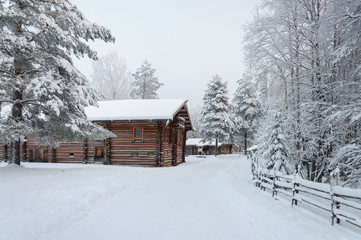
135 109
198 142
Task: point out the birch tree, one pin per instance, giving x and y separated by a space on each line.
112 77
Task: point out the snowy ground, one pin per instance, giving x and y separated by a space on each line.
208 198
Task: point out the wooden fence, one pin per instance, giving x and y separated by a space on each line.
342 203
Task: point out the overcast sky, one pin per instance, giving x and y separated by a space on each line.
186 41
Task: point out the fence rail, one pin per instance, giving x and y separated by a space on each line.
342 203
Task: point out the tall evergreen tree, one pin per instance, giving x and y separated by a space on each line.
145 85
246 111
46 92
215 120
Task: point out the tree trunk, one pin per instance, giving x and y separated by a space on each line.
17 108
216 152
313 169
16 113
245 142
15 152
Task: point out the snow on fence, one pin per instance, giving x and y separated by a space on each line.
342 203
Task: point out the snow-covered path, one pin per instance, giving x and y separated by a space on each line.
210 198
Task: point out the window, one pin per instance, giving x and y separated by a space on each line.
71 154
138 134
135 154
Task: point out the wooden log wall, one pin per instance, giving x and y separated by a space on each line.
180 146
225 149
160 145
124 150
72 152
167 146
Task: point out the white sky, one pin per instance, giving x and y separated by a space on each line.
186 41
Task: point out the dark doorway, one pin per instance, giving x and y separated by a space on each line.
98 154
38 154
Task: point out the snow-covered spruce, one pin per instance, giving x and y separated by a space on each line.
46 92
145 85
246 111
277 151
215 121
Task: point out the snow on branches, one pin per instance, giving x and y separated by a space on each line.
215 121
46 92
145 85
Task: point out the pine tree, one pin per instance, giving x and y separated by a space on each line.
145 85
246 111
215 120
46 92
277 151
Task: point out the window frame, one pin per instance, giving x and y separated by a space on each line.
142 134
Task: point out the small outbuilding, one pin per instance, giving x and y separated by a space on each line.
148 132
196 146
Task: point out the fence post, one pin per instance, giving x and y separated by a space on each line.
274 192
332 196
262 180
258 174
253 168
294 191
338 205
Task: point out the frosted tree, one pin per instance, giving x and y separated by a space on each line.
277 151
196 114
112 77
345 113
246 111
305 56
348 160
215 121
47 94
145 85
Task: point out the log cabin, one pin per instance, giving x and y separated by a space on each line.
196 146
148 133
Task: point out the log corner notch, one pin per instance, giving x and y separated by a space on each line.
159 145
107 146
85 161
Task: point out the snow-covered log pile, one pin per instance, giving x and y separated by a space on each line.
341 202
